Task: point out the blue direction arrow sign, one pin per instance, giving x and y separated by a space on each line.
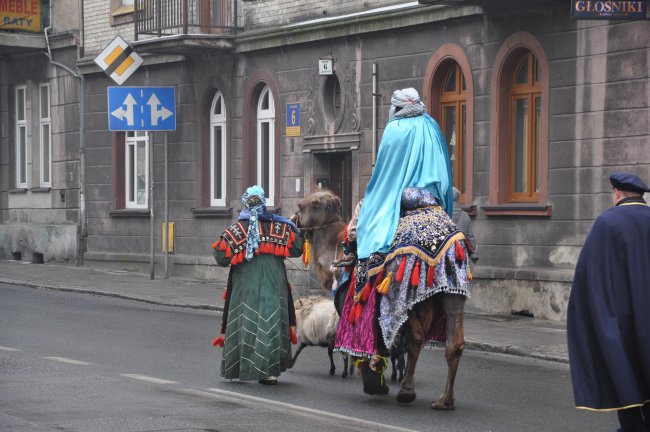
141 109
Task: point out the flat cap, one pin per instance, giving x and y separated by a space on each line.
628 182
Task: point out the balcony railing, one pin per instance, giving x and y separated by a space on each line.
183 17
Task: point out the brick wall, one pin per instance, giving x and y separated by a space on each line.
98 31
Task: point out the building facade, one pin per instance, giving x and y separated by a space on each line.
537 107
40 163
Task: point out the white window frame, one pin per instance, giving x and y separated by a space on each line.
21 166
218 120
266 116
133 139
45 121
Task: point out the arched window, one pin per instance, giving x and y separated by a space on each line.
525 130
266 144
449 94
519 129
218 159
453 121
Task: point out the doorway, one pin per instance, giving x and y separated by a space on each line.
333 171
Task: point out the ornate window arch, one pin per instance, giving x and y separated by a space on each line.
261 135
519 127
449 95
218 151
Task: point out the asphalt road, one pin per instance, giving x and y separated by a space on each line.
75 362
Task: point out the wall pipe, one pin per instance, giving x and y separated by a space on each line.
374 113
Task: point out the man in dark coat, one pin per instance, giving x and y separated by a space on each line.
608 322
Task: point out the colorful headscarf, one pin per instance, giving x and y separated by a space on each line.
405 103
255 202
412 153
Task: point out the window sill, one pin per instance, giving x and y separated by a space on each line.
470 210
41 189
212 212
518 210
130 213
18 191
122 15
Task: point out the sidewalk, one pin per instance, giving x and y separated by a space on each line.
520 336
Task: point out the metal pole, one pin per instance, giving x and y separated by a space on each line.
166 209
374 113
151 206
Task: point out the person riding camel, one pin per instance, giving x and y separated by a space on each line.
409 250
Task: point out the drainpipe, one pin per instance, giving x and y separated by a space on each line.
374 113
82 163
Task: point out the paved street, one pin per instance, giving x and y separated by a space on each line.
72 362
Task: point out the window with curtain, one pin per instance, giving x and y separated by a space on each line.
525 130
266 144
453 110
218 151
45 135
137 169
21 136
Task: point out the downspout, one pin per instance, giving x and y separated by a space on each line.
374 113
82 162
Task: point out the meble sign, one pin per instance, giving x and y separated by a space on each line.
607 9
22 15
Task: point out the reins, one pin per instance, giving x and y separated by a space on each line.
318 228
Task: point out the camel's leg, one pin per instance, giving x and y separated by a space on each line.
393 375
295 356
330 353
454 306
419 320
345 366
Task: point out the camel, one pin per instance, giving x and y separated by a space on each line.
319 217
314 211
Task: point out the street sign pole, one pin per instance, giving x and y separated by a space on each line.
151 207
166 230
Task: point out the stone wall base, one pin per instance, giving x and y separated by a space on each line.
39 243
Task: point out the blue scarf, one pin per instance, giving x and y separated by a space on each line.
412 153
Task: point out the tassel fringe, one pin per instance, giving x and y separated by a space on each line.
218 341
383 287
400 270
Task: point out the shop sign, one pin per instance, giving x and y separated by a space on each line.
606 9
22 15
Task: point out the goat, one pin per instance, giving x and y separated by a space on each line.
317 320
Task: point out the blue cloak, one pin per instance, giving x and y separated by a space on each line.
413 153
608 322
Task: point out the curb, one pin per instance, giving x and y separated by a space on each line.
110 294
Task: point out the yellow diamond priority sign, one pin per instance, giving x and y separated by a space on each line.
118 60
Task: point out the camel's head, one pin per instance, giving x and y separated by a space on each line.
318 209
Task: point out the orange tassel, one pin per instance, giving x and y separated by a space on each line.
351 314
365 293
228 253
306 253
357 313
292 336
431 274
460 252
277 251
242 254
215 244
218 341
383 287
223 296
287 254
223 245
400 271
233 261
292 236
415 274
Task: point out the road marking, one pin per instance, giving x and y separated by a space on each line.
297 409
67 360
148 379
4 348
